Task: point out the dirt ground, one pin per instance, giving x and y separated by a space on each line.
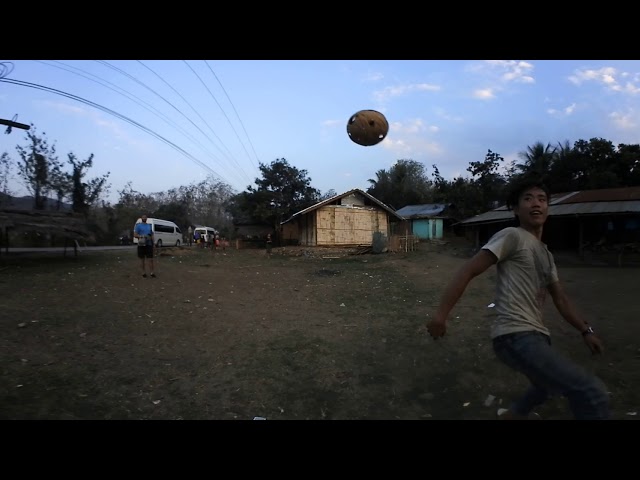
305 334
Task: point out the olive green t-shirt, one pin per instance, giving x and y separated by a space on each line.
525 269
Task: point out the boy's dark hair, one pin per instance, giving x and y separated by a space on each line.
520 186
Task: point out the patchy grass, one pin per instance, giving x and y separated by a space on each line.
305 334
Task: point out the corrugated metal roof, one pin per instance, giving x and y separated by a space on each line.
595 208
561 197
581 202
605 195
424 210
563 209
496 215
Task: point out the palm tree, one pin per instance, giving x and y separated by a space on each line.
538 159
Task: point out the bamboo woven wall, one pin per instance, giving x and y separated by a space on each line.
338 225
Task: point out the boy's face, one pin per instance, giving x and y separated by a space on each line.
533 207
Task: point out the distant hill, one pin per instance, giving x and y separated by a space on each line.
27 202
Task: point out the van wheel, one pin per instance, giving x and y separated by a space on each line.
177 243
159 244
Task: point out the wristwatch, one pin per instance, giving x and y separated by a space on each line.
588 331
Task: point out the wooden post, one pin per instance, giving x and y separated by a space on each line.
13 124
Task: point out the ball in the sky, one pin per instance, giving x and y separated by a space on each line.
367 127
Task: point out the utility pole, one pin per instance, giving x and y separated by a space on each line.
12 123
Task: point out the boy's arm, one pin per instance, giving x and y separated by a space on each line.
478 264
567 310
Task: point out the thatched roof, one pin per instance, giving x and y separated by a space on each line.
64 224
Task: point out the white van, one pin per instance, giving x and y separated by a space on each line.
207 233
164 232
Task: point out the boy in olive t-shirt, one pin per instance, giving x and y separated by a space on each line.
526 274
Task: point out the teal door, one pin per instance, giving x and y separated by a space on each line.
421 229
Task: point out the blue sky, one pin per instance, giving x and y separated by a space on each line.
229 115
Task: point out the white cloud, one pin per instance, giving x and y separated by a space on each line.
484 93
66 108
500 73
570 109
328 127
604 75
412 146
411 138
399 90
112 126
412 126
624 121
373 77
566 111
332 123
608 78
628 87
506 70
399 146
447 116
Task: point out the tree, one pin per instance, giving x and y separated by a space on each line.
594 164
327 195
488 180
596 167
60 182
627 166
85 194
38 159
282 191
131 204
5 176
471 196
405 183
537 159
173 211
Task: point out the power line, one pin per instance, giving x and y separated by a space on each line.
112 112
220 106
6 68
132 97
234 109
192 108
156 93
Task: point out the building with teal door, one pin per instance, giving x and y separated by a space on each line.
427 220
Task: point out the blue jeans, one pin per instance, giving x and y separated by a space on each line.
550 373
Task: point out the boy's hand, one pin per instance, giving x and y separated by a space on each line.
594 343
437 327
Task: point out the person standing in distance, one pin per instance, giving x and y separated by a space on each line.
526 272
269 244
144 233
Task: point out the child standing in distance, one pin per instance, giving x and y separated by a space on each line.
269 243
